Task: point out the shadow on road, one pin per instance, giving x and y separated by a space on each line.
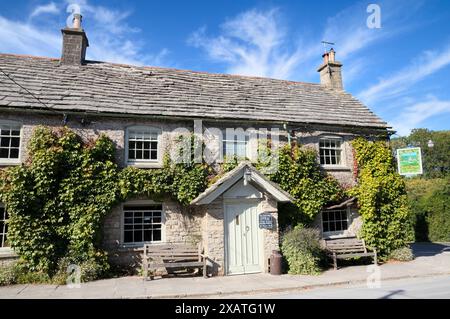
393 293
429 249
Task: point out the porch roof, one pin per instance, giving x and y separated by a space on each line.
238 173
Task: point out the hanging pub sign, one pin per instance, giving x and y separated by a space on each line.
265 221
409 161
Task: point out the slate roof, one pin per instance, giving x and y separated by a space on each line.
101 87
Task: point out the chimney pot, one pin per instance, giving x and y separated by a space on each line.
332 55
77 21
325 57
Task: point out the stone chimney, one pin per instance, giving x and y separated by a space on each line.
75 43
330 71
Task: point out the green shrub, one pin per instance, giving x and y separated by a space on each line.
430 200
439 214
302 250
402 254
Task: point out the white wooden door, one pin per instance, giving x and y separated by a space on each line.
242 239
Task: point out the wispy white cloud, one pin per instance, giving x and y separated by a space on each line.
414 115
49 8
397 84
258 42
253 43
25 38
111 37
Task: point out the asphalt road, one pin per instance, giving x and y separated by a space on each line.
413 288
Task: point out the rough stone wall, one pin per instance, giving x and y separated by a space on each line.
214 239
271 237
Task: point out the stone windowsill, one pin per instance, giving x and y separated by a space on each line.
336 168
6 252
145 164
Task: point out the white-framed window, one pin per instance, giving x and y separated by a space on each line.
10 138
3 226
330 151
142 223
235 145
334 221
143 145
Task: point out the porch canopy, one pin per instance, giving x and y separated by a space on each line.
244 171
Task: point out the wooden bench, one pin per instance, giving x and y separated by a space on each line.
173 255
349 247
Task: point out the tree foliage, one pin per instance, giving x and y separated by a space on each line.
436 159
382 198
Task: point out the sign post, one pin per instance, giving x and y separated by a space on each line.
409 161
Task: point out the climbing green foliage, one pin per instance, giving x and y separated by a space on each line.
58 199
300 175
382 198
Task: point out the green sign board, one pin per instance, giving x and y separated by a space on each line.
409 161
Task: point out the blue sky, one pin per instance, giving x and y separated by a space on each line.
399 70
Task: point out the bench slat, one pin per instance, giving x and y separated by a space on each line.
176 265
355 255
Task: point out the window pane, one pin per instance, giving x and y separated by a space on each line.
14 153
137 236
154 155
146 155
15 142
147 235
132 145
138 154
157 219
131 155
4 153
344 225
325 227
128 237
157 235
4 141
332 226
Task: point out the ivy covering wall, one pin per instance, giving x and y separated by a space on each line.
382 198
59 197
